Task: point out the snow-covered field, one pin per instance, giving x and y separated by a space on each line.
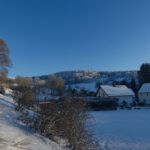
122 129
14 135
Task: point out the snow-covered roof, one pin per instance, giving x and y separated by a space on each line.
145 88
120 90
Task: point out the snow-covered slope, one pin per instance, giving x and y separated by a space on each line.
14 135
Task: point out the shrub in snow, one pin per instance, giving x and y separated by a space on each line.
25 99
67 119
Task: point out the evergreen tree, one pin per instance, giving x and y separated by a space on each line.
133 85
144 73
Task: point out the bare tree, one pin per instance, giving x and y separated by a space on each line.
23 81
5 61
55 84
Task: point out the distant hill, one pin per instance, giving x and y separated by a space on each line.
88 79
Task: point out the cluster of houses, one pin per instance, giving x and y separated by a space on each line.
120 94
123 94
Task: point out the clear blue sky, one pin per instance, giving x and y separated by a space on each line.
46 36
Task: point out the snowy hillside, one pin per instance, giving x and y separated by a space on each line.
14 135
90 76
87 79
79 76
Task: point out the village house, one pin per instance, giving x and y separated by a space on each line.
121 93
144 93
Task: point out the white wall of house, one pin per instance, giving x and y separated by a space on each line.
144 97
128 99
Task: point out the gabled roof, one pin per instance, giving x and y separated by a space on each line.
120 90
145 88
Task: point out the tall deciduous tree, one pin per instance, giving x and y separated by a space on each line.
5 61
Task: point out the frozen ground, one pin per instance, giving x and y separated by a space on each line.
122 129
14 135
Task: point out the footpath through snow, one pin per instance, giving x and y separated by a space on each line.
14 135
